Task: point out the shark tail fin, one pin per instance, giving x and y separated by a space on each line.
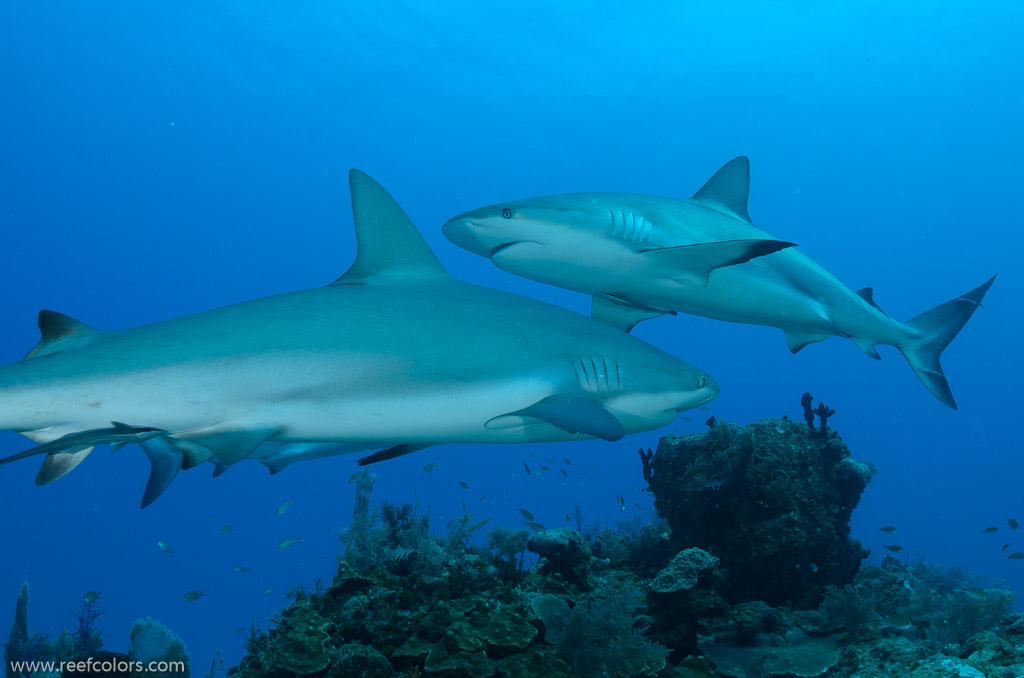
931 333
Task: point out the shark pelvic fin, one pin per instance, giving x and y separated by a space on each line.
228 447
622 313
868 295
692 264
59 331
389 246
165 461
574 414
393 452
56 466
798 340
728 190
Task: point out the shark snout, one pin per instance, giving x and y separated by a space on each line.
468 234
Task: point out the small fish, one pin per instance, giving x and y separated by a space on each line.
226 529
990 530
464 506
1005 546
526 514
536 527
545 468
165 547
1012 522
283 508
895 548
562 470
1017 555
192 596
288 543
567 462
687 419
889 529
482 499
975 593
535 455
899 621
241 568
568 517
586 475
527 467
240 630
267 592
512 473
92 596
704 409
430 467
463 484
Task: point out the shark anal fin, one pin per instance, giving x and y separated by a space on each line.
692 264
58 465
165 461
868 295
798 340
389 246
392 453
228 447
728 190
58 331
574 414
621 313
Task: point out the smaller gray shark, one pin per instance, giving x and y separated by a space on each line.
644 256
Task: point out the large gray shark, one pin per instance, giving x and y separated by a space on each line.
395 354
643 256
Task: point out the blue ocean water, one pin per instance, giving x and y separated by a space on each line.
162 159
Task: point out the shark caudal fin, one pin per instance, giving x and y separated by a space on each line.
931 333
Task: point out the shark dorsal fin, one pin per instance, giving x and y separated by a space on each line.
389 246
57 329
868 295
727 191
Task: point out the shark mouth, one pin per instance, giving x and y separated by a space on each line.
504 246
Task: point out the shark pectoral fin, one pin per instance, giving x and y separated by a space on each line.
165 461
230 446
728 190
574 414
691 265
59 331
219 469
620 313
392 452
58 465
798 340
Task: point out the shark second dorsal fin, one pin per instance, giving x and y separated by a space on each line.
58 332
389 246
728 190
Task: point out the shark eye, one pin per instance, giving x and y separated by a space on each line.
507 213
701 382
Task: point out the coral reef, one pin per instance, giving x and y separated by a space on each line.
771 496
150 641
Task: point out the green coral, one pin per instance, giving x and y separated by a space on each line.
600 636
684 570
301 642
